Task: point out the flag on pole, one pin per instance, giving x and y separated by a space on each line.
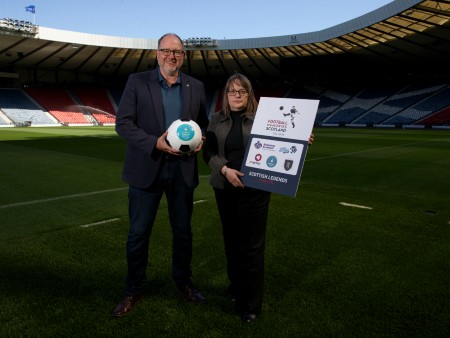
31 8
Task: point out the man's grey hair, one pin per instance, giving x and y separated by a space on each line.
169 34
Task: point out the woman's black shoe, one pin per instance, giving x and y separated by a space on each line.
229 296
248 317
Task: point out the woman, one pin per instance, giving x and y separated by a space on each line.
243 211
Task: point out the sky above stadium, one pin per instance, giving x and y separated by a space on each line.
229 19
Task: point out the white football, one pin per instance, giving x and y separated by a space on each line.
184 135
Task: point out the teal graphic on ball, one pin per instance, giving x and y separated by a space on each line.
185 132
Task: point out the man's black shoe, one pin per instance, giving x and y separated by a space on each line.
126 305
191 294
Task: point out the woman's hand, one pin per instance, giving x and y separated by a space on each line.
232 175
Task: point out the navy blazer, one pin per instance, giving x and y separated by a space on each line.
140 121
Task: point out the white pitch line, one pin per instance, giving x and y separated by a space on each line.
59 198
199 201
117 219
354 205
101 222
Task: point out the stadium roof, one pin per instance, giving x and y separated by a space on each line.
411 35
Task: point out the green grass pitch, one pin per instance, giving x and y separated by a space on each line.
362 251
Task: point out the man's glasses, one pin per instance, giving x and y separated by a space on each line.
241 92
167 52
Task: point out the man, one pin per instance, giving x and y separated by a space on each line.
151 101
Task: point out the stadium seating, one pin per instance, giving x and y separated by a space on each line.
269 92
353 109
441 118
21 110
61 105
98 102
4 120
308 93
330 101
419 104
387 112
404 103
115 94
431 104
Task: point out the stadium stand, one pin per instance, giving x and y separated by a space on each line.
308 93
21 110
400 103
115 94
441 118
404 42
433 103
97 101
97 98
212 95
330 101
420 104
351 111
61 105
269 92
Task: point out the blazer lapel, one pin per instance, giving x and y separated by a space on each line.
186 93
155 93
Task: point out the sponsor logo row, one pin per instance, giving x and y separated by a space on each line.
272 160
